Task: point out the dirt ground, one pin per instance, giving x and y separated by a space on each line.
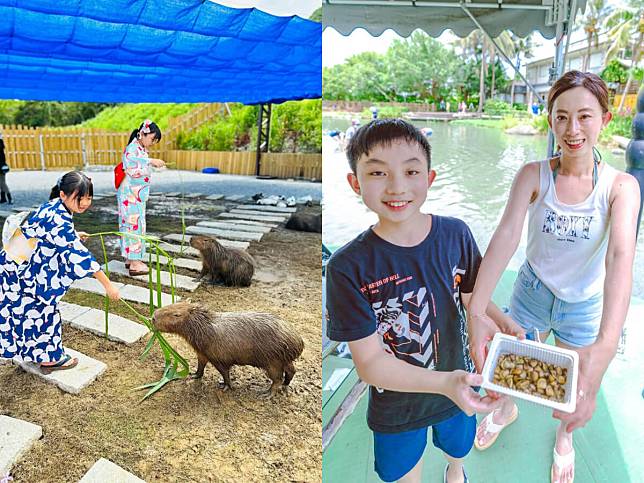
190 431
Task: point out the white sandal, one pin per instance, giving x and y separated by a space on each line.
494 429
562 461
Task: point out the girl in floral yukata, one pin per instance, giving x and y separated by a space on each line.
134 192
30 324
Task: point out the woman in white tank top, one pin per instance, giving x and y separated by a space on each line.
577 278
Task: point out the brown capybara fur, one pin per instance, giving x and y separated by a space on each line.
235 268
305 222
227 339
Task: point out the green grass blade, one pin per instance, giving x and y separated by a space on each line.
107 299
156 246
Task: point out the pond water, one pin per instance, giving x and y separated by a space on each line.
475 167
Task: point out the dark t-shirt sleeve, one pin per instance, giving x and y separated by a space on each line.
470 260
349 315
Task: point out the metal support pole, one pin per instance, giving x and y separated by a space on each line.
263 134
500 51
42 153
84 151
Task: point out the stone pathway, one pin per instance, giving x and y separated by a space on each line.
92 320
131 293
224 225
70 380
225 234
16 438
234 197
269 208
180 281
214 197
176 237
105 471
253 217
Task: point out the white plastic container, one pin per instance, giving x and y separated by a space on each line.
507 344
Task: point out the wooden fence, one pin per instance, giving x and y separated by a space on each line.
281 165
51 148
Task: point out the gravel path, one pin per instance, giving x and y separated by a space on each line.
30 187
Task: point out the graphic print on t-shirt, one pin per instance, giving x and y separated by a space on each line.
566 227
405 326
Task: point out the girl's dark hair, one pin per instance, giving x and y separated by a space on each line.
153 129
383 132
73 182
575 78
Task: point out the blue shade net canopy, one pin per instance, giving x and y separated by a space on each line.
155 51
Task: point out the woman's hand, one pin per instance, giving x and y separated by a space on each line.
157 163
112 292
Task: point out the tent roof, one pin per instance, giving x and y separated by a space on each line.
161 51
433 16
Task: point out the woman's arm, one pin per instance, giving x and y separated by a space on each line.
594 360
504 242
506 237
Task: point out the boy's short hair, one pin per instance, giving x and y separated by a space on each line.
381 132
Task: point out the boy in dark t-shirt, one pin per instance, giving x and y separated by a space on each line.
397 294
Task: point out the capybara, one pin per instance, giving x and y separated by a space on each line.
233 267
305 222
226 339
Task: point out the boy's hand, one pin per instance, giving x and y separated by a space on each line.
460 391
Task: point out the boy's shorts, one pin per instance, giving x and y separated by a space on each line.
533 305
396 454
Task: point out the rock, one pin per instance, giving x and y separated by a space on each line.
523 129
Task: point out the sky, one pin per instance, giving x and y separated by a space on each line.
282 8
337 48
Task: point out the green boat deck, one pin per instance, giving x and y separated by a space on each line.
608 448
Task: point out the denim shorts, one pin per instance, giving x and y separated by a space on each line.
533 305
396 454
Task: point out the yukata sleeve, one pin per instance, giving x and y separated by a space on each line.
348 312
470 260
74 261
135 164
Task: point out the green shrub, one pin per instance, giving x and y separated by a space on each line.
390 112
496 107
126 117
540 122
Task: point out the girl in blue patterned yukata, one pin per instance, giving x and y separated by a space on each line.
30 323
133 194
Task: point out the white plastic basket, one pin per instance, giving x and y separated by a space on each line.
507 344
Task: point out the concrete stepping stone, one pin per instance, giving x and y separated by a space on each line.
222 225
187 263
269 208
230 235
251 222
240 245
92 320
104 470
132 293
214 197
174 193
71 311
248 216
16 438
193 195
71 380
282 216
180 281
186 251
18 209
235 197
4 213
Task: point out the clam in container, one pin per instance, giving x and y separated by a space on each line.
507 344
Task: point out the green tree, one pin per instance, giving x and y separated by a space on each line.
317 15
626 32
592 24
